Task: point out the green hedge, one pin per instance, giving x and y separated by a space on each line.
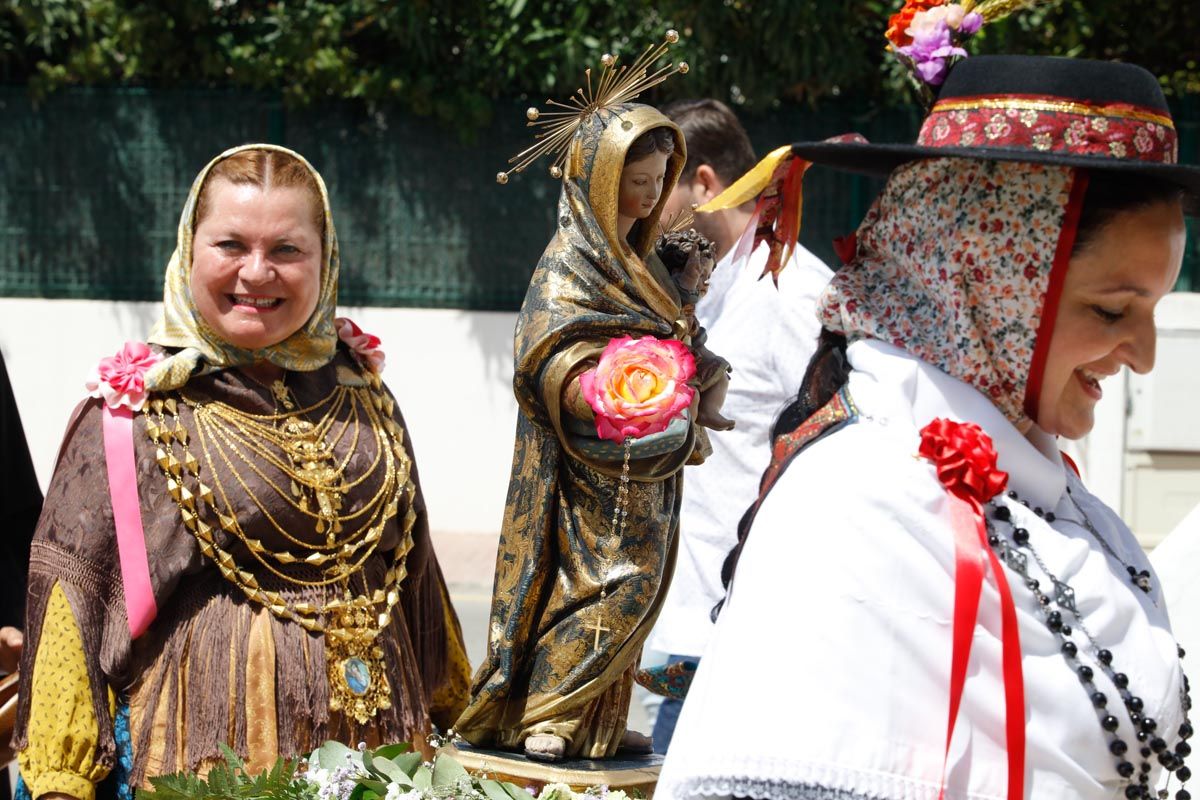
457 60
94 180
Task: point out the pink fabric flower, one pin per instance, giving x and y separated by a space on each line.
365 346
120 379
639 386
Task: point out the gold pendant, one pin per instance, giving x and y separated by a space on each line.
282 395
317 469
358 685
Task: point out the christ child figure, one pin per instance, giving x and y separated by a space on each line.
690 259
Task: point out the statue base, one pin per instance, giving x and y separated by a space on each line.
628 773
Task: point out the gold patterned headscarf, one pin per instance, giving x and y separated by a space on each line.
202 349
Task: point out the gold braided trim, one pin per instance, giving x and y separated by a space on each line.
1005 102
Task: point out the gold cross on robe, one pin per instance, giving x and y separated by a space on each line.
597 625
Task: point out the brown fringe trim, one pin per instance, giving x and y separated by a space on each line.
203 646
99 609
217 630
422 602
301 689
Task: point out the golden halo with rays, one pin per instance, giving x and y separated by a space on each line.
617 84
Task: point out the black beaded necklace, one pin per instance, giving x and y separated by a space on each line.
1016 553
1139 578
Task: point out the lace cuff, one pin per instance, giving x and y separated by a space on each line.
762 789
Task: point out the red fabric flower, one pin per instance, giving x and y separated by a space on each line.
965 459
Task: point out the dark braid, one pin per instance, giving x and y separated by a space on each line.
826 374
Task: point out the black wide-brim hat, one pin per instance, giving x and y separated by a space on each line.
1097 115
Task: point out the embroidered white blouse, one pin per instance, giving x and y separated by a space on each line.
828 672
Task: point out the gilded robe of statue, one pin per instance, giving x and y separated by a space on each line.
561 656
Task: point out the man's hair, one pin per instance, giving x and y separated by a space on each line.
714 137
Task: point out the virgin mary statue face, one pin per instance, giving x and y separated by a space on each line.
256 263
642 186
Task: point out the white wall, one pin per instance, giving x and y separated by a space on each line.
450 370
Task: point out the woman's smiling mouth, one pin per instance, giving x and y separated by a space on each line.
256 302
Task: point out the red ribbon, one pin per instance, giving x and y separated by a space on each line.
846 247
965 460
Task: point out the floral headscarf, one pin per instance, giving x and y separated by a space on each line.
202 349
960 262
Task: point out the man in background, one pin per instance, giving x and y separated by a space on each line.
768 334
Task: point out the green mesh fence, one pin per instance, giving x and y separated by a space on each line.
92 181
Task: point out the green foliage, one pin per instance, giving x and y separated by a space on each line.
1161 35
372 771
451 59
229 780
397 764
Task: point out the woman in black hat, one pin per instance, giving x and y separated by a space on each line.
962 618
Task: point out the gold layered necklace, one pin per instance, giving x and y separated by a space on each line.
298 443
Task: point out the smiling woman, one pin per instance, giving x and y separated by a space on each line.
975 623
256 259
1127 256
254 568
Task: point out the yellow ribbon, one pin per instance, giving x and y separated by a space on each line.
750 185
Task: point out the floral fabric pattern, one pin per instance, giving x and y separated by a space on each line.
952 265
1113 132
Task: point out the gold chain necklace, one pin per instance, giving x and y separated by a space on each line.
311 463
215 438
350 624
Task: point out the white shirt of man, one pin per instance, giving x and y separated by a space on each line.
768 334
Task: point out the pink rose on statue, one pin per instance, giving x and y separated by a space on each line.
365 346
639 386
120 379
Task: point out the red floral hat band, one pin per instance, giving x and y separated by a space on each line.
1052 125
